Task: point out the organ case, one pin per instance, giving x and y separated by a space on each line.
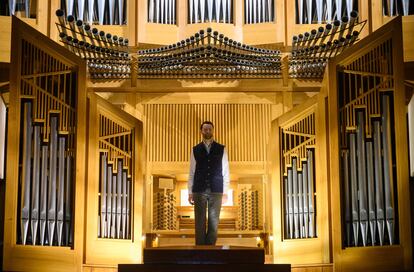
46 145
115 183
299 184
369 165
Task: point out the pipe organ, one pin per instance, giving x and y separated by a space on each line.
203 11
312 50
323 11
162 11
249 215
48 157
208 54
259 11
3 131
297 146
115 149
102 12
367 149
318 153
395 8
164 204
106 55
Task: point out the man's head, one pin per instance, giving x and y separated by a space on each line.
207 129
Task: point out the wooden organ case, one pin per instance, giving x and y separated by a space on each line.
368 150
46 154
115 163
299 184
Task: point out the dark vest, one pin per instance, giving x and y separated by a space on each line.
209 170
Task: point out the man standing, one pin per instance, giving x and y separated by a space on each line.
208 183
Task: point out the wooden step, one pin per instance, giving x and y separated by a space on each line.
203 259
204 255
204 267
224 223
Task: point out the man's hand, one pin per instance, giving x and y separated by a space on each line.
224 199
190 199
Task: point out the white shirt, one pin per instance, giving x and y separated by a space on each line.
224 165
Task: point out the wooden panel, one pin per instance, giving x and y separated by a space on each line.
5 30
173 129
408 38
19 257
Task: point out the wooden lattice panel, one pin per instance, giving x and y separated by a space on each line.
173 129
297 138
116 140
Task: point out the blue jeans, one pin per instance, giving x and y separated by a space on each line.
202 202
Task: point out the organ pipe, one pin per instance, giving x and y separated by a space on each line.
111 11
309 10
202 10
210 9
349 7
338 9
217 10
81 8
319 10
26 171
3 113
90 11
12 6
35 184
410 133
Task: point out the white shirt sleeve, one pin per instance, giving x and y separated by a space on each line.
226 172
192 171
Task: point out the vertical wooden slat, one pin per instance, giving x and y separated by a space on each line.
172 130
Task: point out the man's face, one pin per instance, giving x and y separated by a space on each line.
207 131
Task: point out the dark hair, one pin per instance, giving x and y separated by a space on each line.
206 123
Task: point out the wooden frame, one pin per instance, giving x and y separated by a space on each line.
372 258
312 250
103 251
19 257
